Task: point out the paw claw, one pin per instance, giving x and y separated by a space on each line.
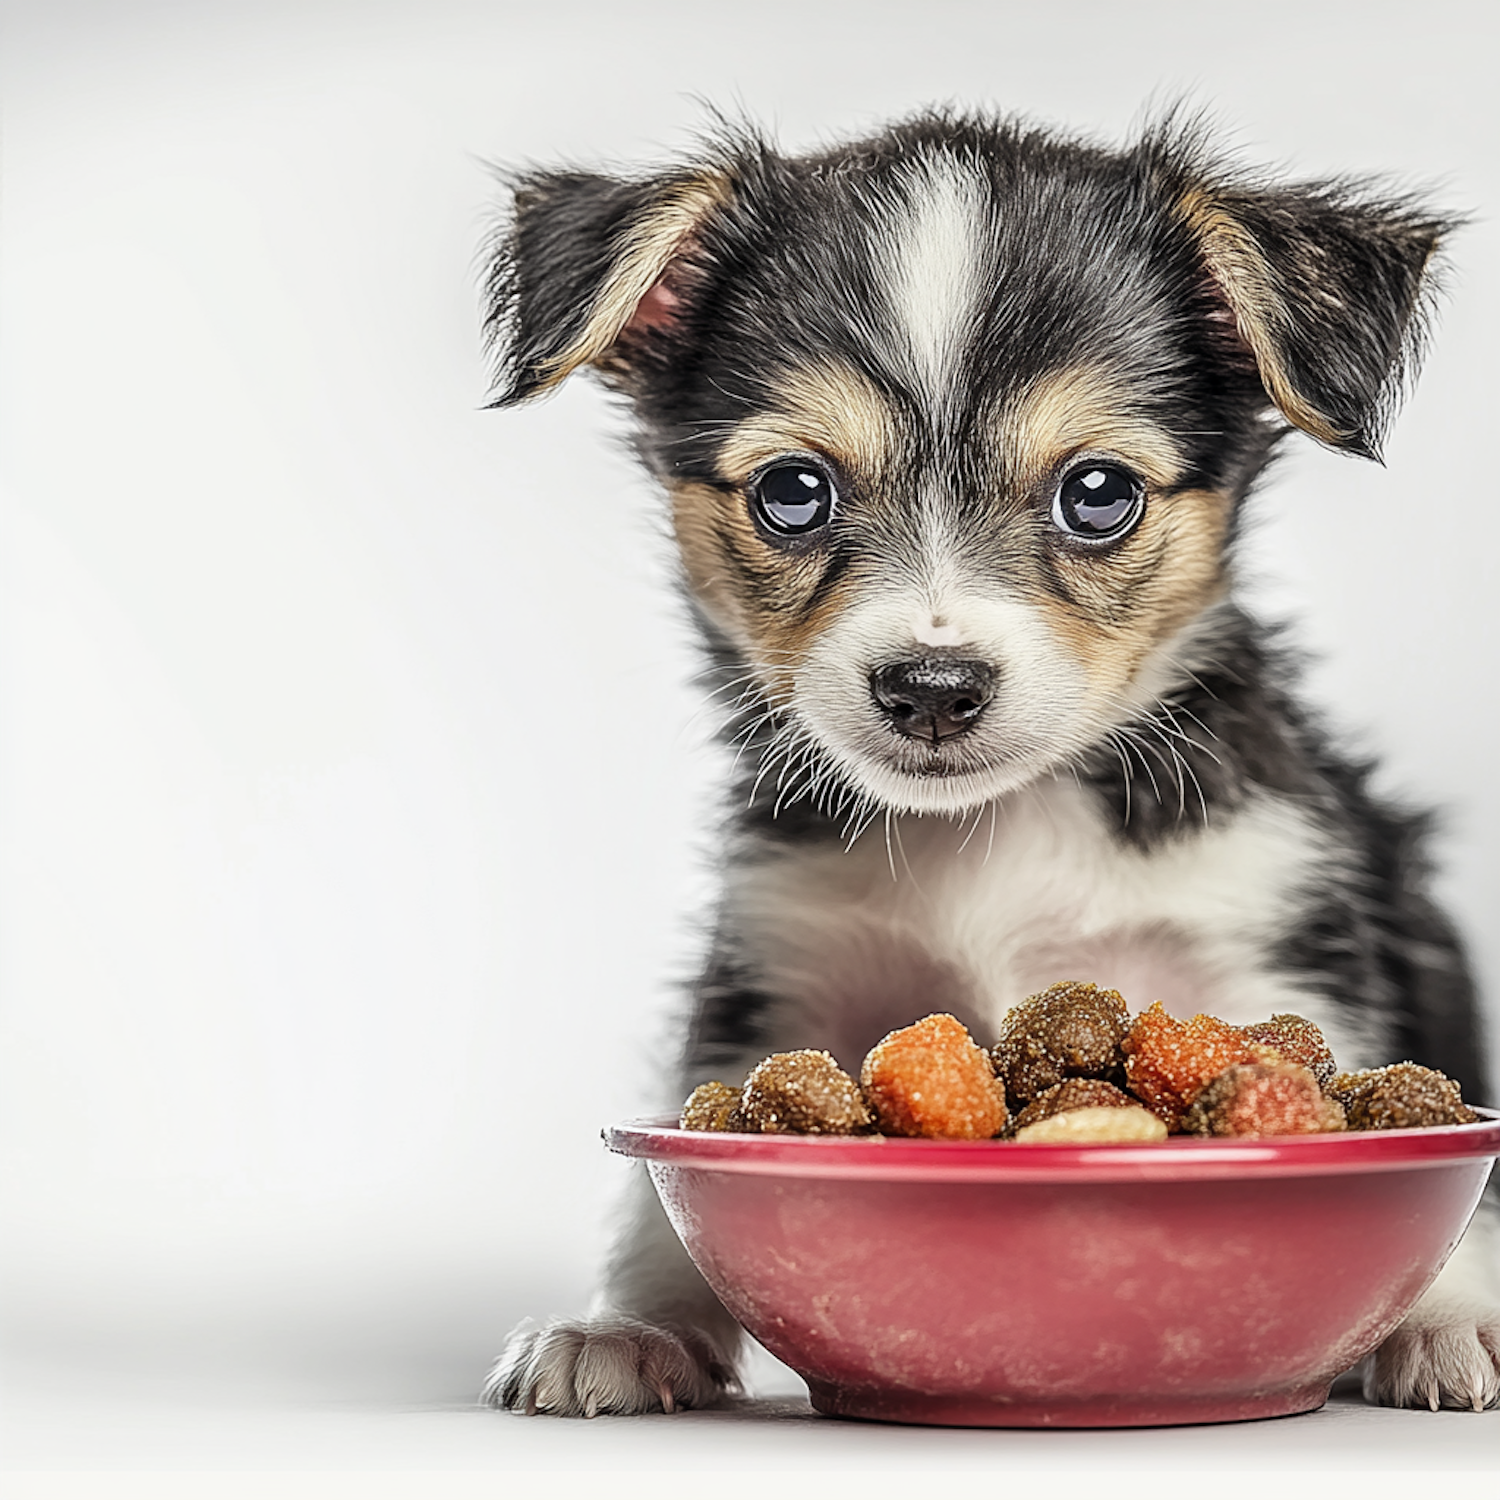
1444 1356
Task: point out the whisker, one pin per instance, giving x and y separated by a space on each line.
901 848
1140 749
973 827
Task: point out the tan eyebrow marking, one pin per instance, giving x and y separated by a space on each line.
1083 407
826 407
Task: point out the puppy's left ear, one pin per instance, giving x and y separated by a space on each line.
1328 289
592 270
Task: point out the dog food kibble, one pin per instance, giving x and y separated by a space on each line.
1263 1098
931 1079
1298 1041
1095 1125
801 1093
1071 1030
1401 1097
1072 1094
709 1107
1167 1061
1083 1072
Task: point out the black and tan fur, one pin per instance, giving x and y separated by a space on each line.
947 320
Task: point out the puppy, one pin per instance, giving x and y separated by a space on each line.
957 424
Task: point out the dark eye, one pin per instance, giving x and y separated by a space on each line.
792 498
1098 502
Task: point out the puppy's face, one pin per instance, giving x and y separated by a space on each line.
955 424
951 602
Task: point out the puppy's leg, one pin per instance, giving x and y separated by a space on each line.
1447 1352
658 1339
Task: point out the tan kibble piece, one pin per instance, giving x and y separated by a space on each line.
932 1080
709 1107
1070 1094
1098 1125
800 1093
1404 1096
1069 1030
1273 1097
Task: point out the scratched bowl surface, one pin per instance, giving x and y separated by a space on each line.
989 1283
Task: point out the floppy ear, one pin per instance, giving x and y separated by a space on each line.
589 270
1329 294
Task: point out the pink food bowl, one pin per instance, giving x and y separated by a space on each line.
994 1284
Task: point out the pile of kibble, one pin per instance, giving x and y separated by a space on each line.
1072 1065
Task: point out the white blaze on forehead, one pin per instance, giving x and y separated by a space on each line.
929 629
938 270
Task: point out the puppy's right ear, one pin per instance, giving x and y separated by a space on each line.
591 270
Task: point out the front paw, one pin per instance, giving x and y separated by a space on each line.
610 1365
1448 1356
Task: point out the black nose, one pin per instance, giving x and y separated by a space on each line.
933 697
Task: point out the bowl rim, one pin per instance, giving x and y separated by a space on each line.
659 1138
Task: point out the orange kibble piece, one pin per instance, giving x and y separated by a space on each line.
932 1080
1168 1061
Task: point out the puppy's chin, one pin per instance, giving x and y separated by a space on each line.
948 780
950 796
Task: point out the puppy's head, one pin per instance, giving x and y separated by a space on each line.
956 421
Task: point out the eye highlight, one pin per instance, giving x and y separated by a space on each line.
1098 502
792 497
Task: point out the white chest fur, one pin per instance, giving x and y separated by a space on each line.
850 950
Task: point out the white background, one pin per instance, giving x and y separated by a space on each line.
356 815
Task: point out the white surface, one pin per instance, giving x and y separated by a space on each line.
353 794
185 1434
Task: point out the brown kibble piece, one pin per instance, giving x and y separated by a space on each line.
1297 1040
1095 1125
709 1107
1167 1061
1069 1030
1273 1097
801 1093
1403 1096
932 1080
1071 1094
